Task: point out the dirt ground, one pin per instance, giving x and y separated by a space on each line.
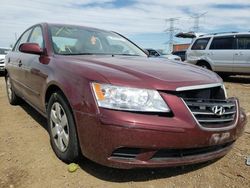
27 160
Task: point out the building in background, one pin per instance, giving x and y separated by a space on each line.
180 47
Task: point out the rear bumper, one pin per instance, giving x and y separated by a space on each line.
2 68
129 140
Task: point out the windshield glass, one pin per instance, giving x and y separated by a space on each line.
73 40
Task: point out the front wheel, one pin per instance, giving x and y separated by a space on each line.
204 65
61 125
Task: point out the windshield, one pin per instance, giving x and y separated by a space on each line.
73 40
4 51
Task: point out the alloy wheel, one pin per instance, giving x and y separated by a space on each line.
59 126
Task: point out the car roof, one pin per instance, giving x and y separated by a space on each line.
223 34
74 25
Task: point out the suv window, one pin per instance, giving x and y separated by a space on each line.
153 53
37 36
243 42
22 39
200 44
222 43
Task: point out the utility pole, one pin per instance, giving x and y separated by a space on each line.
196 18
171 31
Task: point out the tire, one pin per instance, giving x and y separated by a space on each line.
12 97
62 130
204 65
224 75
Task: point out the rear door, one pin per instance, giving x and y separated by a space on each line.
242 54
15 66
221 53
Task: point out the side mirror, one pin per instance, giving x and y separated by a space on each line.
31 48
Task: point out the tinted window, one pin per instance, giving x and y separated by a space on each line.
153 53
37 36
200 44
23 39
244 43
222 43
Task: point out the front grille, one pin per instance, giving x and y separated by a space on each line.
204 110
178 153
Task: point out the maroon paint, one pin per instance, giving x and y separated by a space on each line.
101 131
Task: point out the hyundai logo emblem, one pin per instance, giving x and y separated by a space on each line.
218 110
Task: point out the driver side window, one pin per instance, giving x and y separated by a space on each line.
37 36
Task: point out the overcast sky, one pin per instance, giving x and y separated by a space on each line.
143 21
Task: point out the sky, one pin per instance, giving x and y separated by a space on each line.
142 21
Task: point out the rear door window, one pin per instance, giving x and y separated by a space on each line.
243 42
222 43
24 38
200 44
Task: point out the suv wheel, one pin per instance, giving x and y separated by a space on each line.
62 129
204 65
13 98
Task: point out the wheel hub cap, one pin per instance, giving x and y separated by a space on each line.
59 126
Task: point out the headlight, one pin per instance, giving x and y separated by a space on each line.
128 99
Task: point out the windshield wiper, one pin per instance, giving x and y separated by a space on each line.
82 54
127 54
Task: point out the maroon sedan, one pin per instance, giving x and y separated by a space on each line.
104 98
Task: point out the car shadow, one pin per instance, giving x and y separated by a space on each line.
119 175
136 175
34 114
238 79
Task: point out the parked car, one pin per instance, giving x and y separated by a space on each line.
225 53
3 52
104 98
155 53
181 54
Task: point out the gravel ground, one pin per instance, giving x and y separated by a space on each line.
27 160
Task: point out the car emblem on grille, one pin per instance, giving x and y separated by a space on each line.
218 110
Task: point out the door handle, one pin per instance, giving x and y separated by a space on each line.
20 63
240 53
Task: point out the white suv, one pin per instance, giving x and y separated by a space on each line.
225 53
3 52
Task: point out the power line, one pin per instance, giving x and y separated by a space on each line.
196 18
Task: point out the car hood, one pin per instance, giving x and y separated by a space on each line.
142 72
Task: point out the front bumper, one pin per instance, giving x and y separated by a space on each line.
129 140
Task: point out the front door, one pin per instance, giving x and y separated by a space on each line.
34 77
221 53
